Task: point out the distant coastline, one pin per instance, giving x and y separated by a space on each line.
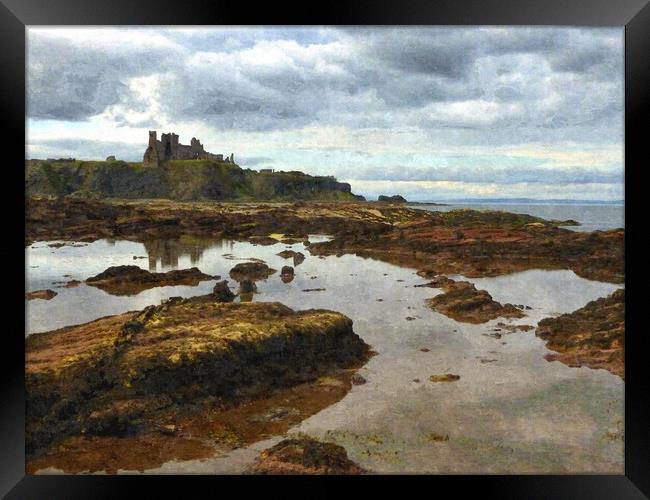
516 201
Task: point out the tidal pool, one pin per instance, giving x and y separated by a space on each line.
510 412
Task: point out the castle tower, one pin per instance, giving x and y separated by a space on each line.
151 157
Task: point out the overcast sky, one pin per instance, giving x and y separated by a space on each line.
430 113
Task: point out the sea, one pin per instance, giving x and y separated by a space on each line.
591 216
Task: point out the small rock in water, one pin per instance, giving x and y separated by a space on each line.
424 349
438 437
358 379
446 377
41 294
222 293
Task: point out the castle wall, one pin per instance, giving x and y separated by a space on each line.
169 148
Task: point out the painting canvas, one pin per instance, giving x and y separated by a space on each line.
324 250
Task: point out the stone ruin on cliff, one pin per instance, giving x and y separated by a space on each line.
168 148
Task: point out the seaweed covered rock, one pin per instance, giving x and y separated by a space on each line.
304 455
131 280
463 302
593 335
222 293
127 372
251 270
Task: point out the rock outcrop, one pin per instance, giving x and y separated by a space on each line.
131 280
463 302
391 199
126 374
592 336
251 270
305 455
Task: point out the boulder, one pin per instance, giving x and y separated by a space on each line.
305 455
251 271
222 293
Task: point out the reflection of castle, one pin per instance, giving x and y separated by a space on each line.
168 148
169 251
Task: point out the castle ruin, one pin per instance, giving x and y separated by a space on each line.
168 148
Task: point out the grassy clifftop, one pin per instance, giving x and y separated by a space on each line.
178 180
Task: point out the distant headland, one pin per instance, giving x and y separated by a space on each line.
176 171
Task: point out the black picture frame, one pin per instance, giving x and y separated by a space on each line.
633 14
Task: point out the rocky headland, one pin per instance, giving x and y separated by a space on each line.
177 179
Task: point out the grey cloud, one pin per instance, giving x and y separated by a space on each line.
75 82
384 77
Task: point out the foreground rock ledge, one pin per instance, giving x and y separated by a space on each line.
127 374
592 336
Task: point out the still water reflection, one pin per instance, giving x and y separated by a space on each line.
510 412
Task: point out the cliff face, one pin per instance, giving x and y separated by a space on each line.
177 180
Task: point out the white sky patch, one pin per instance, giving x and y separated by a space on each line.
115 39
